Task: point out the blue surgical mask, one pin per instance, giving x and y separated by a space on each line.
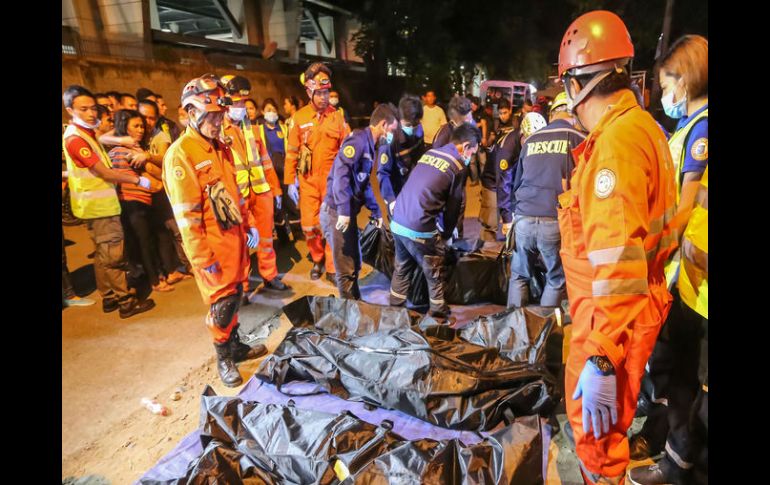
389 138
674 110
237 114
408 130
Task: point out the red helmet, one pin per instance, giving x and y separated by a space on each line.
595 41
206 94
316 77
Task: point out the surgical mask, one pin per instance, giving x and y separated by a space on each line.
334 101
236 114
83 124
674 110
408 130
271 117
467 160
389 138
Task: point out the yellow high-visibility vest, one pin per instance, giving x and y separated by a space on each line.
694 277
284 131
91 196
678 153
251 176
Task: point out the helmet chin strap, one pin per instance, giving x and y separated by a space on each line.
581 96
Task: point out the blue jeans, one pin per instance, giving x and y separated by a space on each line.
536 236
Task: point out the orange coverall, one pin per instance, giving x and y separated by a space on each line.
260 204
323 133
617 231
190 164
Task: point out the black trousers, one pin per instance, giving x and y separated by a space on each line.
288 214
137 225
429 255
67 289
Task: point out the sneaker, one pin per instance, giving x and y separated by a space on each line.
176 277
134 307
277 285
77 301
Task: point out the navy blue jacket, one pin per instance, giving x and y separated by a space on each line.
546 159
434 192
502 156
397 159
348 187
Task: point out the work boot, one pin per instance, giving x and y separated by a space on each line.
245 298
109 305
317 271
331 278
134 307
228 372
661 473
241 351
277 285
639 448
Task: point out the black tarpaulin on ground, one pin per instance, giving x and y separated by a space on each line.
476 272
254 443
395 359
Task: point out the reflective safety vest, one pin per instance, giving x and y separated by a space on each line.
694 277
677 144
91 196
251 176
284 132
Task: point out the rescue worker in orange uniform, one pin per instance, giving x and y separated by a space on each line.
617 231
256 177
215 221
314 139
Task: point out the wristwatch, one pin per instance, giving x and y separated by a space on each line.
603 364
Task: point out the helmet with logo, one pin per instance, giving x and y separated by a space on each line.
531 123
560 101
316 77
236 86
206 94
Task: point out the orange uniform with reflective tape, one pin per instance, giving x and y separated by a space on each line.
190 164
260 203
323 133
617 231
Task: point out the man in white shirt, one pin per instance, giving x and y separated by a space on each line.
433 117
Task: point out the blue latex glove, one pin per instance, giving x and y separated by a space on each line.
600 403
213 269
252 238
278 201
293 190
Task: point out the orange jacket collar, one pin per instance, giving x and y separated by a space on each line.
626 101
204 143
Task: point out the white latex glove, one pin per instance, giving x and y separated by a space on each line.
455 234
252 238
144 183
293 190
378 222
342 223
278 200
392 206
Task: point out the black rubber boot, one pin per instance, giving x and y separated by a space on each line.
277 285
241 351
283 234
228 372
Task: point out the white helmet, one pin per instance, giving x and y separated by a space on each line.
531 123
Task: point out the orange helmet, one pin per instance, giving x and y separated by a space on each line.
595 41
206 94
316 77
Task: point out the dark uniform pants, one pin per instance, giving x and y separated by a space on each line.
287 217
673 370
346 252
429 255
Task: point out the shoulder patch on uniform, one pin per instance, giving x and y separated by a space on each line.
383 159
85 152
349 151
279 134
700 149
179 172
503 164
604 183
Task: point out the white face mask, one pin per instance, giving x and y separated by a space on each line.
236 114
83 124
271 117
334 101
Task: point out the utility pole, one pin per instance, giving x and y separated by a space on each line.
662 48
